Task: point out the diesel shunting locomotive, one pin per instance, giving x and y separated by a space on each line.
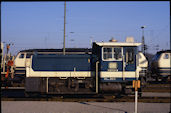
110 68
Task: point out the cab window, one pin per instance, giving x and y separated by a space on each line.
107 53
112 53
166 56
130 56
117 54
21 55
28 55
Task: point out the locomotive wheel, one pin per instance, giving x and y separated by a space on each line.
128 91
28 95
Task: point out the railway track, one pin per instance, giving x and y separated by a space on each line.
154 87
152 93
92 99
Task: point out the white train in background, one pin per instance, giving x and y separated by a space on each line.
161 65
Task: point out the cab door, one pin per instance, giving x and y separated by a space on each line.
130 58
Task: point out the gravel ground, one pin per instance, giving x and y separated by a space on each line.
149 94
81 107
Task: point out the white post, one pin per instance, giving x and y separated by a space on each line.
136 89
136 101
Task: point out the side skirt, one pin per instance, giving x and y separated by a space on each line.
54 85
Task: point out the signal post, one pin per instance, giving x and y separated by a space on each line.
136 85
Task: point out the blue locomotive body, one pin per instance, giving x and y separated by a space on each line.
56 62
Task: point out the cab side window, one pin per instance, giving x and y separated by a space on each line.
112 53
107 53
28 55
166 56
21 55
130 56
117 54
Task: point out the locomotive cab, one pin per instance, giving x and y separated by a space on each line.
118 65
20 62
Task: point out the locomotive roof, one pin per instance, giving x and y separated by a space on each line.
117 44
164 51
59 50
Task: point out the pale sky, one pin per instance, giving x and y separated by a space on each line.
31 25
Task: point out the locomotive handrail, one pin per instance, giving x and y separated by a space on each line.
97 76
123 67
47 85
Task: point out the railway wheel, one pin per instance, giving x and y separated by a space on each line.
31 95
